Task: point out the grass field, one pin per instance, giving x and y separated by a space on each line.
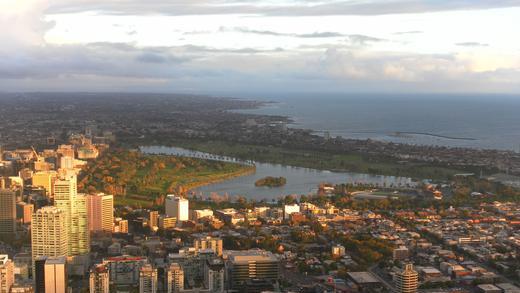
141 179
350 162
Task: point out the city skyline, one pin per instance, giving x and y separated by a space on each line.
257 46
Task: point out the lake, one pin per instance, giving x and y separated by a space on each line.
299 180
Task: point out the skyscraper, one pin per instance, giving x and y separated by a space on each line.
147 279
407 281
49 235
74 207
56 275
100 209
6 274
175 278
7 211
178 207
99 279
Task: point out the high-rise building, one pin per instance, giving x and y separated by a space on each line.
214 275
99 279
209 242
177 207
7 211
46 180
49 235
39 274
175 278
407 281
247 265
6 274
100 212
55 271
147 279
24 212
74 207
153 222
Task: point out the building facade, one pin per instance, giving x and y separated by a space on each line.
177 207
147 279
175 279
407 281
49 235
56 275
6 274
74 207
100 210
7 211
99 279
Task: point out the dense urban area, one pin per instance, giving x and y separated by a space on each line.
82 209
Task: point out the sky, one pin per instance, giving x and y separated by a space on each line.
214 46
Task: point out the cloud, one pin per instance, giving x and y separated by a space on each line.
279 8
279 34
408 33
472 44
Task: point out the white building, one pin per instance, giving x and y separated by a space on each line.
49 235
6 274
177 207
289 209
199 214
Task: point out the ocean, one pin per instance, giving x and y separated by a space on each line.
475 121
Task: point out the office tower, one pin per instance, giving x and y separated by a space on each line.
147 279
55 271
100 212
175 278
177 207
6 274
39 274
7 211
46 180
214 275
74 207
99 279
209 242
407 281
153 222
247 265
49 236
24 212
